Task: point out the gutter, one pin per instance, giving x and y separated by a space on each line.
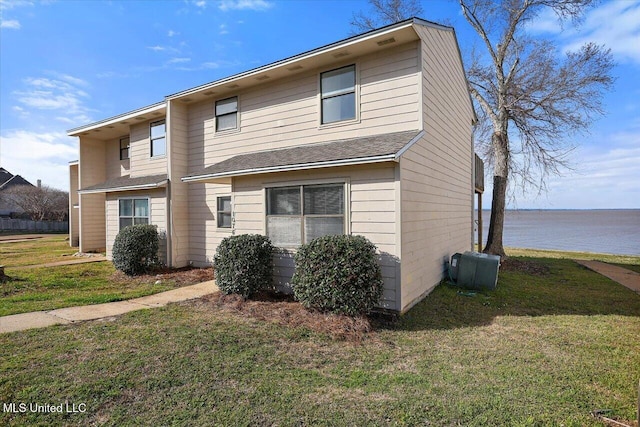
127 188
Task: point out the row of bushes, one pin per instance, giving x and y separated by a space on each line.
337 274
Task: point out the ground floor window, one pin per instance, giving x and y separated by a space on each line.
299 214
133 211
224 212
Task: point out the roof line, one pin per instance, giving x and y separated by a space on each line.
285 168
117 117
126 188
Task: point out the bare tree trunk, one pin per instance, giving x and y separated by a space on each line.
501 171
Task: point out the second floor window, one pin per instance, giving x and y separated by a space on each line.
227 114
124 148
338 89
158 139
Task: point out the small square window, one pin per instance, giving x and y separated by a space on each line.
227 114
124 148
338 89
224 212
133 211
158 139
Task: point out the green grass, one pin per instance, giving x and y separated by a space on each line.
40 289
540 350
52 248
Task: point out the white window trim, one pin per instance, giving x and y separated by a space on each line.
147 198
347 122
346 182
223 229
215 117
158 156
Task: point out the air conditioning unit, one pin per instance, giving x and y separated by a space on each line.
473 270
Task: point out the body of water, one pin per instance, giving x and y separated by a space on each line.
604 231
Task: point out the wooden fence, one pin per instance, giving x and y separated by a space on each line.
11 224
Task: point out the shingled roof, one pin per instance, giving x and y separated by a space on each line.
369 149
126 183
7 179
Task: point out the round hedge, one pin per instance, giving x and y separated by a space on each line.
243 264
135 249
339 274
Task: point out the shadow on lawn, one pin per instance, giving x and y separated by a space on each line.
527 287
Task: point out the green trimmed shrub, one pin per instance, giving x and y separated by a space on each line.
135 249
339 274
243 264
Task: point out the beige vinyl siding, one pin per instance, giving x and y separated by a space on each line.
178 124
140 151
436 172
115 166
286 112
371 201
92 171
157 212
204 235
74 212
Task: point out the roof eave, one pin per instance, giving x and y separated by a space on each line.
112 120
289 168
125 188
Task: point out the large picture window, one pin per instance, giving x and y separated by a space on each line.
158 139
338 88
297 215
227 114
133 211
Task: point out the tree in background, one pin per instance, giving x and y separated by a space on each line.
528 96
39 203
385 12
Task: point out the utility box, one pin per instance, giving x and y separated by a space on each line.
473 270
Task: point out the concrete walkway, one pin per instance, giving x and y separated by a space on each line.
41 319
624 276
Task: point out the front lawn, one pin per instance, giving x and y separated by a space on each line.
50 248
554 342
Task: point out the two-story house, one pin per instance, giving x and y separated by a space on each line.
371 135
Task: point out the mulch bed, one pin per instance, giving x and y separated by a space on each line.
283 310
180 276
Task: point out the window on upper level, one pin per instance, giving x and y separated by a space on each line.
297 215
338 89
133 211
158 134
224 212
227 114
124 148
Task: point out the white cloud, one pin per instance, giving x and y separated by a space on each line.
11 4
257 5
223 29
64 94
37 155
10 24
615 24
178 60
172 33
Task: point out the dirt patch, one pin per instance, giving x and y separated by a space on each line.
533 268
283 310
180 276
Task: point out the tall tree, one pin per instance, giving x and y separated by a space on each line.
530 96
385 12
40 203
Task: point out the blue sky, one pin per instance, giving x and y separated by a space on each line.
67 63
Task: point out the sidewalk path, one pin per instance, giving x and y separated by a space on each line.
624 276
41 319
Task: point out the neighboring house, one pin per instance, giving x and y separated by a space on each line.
8 180
371 135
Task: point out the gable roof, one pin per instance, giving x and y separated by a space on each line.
126 183
353 151
7 179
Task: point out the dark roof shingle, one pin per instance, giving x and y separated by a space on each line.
357 149
126 183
